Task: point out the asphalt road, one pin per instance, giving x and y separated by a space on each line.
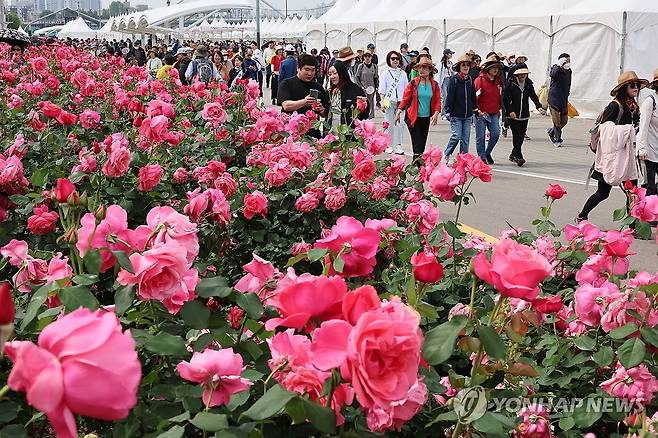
516 194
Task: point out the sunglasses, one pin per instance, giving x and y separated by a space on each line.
394 58
634 85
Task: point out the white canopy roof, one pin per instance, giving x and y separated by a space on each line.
76 29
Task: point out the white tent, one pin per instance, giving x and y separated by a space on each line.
77 28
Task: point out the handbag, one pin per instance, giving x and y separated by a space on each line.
386 101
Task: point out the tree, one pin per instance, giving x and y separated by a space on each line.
13 20
117 8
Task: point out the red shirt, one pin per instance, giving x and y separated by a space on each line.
488 93
276 62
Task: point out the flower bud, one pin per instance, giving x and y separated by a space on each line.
6 314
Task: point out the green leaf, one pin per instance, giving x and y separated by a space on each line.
623 331
251 304
210 422
166 344
631 353
604 356
123 299
93 261
585 343
493 344
77 177
123 260
85 279
584 417
270 404
39 177
650 334
213 287
78 296
489 425
195 314
426 310
8 411
567 423
339 264
316 254
175 432
440 341
38 298
643 230
453 231
322 418
13 431
619 214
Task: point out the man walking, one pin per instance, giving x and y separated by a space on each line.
558 97
404 48
367 77
288 66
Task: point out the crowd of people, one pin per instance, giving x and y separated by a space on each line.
493 97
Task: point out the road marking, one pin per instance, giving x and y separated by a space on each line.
536 175
470 230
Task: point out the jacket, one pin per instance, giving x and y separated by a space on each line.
558 92
287 69
647 136
460 101
515 99
409 101
488 93
615 156
348 98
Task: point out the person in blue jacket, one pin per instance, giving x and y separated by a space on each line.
460 106
558 97
288 67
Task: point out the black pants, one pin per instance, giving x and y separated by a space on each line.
419 134
275 87
268 77
260 82
602 192
652 169
519 128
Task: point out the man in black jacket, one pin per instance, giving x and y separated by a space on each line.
558 97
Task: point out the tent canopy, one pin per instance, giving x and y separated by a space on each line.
77 28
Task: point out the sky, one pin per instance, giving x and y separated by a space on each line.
292 4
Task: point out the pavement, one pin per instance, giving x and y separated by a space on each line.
516 194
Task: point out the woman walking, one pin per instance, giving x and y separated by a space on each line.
220 65
277 59
515 99
422 103
460 106
344 95
445 71
391 89
488 91
615 154
647 137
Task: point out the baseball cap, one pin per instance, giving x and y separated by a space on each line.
289 48
371 46
413 53
448 52
404 46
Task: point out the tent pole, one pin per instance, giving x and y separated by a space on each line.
325 34
623 44
493 36
445 34
406 31
550 45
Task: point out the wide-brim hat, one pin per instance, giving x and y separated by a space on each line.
423 62
626 78
491 61
202 51
655 79
465 58
522 69
346 54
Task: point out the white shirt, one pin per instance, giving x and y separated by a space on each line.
152 66
386 81
258 57
647 136
267 54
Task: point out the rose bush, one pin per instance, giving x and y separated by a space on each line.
181 261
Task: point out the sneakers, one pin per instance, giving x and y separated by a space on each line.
557 144
504 132
549 132
577 220
489 159
520 162
527 137
398 149
389 150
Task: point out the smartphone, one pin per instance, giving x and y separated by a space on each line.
314 94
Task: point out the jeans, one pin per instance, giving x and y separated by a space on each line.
560 120
394 129
444 94
519 129
481 126
460 133
652 169
419 134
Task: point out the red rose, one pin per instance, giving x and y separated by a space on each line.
364 170
42 221
555 191
64 189
6 305
49 109
426 267
549 304
254 204
66 118
149 177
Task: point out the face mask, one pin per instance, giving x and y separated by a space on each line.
567 66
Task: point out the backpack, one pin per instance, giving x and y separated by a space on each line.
204 70
595 135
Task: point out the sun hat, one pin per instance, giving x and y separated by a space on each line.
202 51
289 48
462 59
346 54
626 78
655 79
423 62
491 61
521 69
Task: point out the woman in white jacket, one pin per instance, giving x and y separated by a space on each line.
392 83
647 136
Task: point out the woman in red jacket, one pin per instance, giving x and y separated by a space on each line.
422 103
488 88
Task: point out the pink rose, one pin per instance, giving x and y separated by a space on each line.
255 204
149 177
591 300
381 419
64 189
358 302
334 198
278 173
110 234
155 128
117 162
424 214
39 64
427 268
214 113
307 202
555 191
180 175
443 181
158 107
364 168
535 422
84 364
363 243
515 270
49 109
42 221
66 118
617 243
197 204
218 371
164 225
163 274
638 384
259 272
58 268
89 119
645 208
